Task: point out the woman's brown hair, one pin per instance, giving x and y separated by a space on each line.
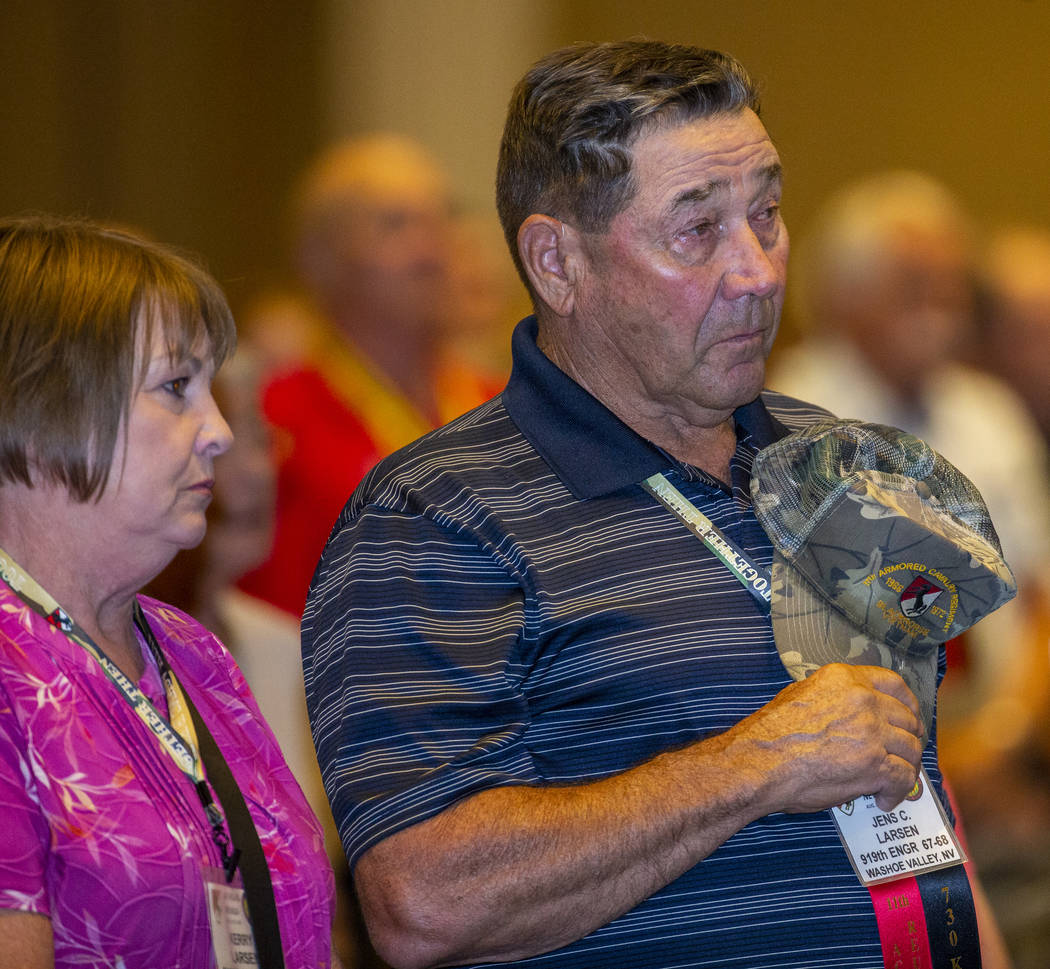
79 303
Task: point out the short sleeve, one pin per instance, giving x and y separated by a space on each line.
410 644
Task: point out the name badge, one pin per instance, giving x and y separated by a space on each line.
231 930
912 838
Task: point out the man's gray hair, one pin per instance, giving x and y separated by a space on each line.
574 116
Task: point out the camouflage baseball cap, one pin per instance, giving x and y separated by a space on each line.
882 551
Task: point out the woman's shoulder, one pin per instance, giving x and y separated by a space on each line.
195 653
176 626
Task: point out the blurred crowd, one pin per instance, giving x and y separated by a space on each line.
907 313
398 318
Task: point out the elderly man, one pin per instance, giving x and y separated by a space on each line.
372 238
549 720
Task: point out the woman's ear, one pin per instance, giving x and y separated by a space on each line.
550 253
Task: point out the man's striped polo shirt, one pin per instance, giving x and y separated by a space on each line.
502 603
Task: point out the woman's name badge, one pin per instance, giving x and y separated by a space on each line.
912 838
231 930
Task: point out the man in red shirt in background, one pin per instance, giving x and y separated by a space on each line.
373 242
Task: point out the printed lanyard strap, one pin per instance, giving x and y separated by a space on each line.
178 738
258 886
181 716
753 577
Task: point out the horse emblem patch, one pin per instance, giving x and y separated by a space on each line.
917 598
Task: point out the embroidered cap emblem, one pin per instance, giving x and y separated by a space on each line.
919 596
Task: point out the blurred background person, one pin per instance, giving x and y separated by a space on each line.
372 240
886 300
283 330
202 581
485 297
1013 333
1007 796
120 714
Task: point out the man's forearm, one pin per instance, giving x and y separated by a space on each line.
513 872
516 871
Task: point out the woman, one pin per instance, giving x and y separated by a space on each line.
263 639
144 803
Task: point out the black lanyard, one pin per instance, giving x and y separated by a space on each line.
258 887
212 811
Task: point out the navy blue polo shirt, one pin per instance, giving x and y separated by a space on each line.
502 603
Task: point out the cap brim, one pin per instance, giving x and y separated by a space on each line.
810 633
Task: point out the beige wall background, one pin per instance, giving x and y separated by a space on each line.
191 118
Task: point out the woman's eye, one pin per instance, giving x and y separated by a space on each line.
178 386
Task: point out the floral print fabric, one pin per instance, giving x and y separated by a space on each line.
103 834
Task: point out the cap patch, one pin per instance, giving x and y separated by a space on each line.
882 550
920 595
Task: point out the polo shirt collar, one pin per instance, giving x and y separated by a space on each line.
586 445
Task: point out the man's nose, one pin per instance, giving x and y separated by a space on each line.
752 268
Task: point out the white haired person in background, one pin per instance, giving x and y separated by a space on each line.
886 297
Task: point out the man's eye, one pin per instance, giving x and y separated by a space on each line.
698 231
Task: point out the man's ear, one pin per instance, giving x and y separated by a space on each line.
550 252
